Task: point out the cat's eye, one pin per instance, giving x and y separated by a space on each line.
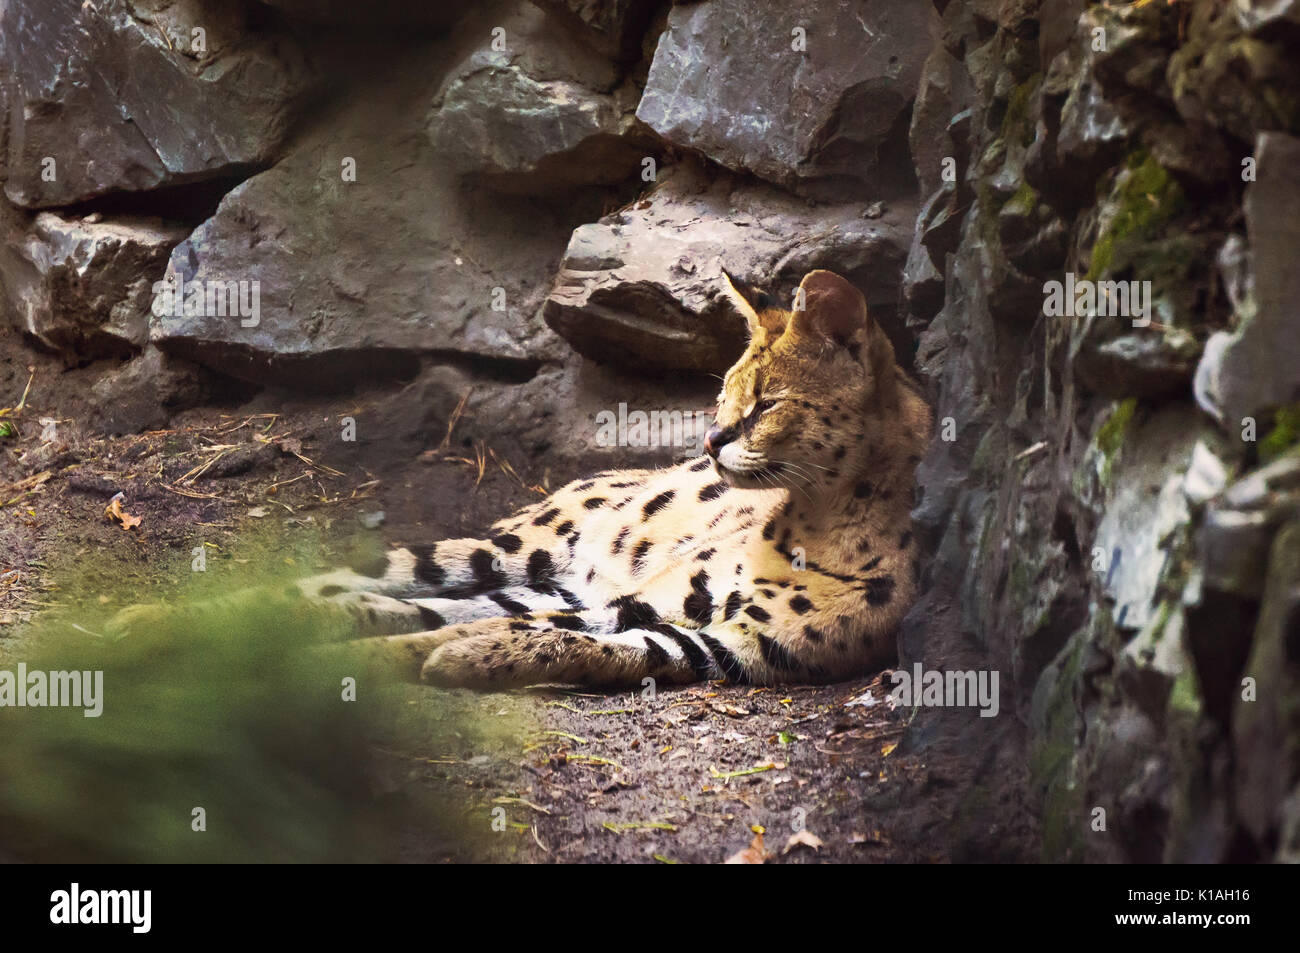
763 406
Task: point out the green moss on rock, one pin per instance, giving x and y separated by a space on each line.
1023 203
1146 196
1016 126
1284 434
1111 434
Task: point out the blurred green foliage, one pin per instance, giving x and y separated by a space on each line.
224 703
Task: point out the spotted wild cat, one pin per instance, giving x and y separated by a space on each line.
784 554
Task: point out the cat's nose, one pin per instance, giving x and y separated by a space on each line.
717 438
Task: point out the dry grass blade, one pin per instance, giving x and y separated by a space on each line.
453 420
26 487
193 494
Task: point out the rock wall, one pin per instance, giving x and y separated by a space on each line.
1072 219
1113 508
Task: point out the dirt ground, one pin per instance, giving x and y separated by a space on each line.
693 775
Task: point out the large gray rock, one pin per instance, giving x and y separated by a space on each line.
1144 509
110 96
726 81
82 286
545 112
1258 368
361 277
641 287
944 91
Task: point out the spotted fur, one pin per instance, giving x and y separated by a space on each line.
783 555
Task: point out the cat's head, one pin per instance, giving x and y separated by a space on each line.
816 382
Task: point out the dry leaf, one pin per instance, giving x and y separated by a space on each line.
114 511
755 853
804 839
731 711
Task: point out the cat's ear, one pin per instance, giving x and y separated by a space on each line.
828 307
754 305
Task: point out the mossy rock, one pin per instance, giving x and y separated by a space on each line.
1017 125
1052 755
1145 197
1111 434
1284 434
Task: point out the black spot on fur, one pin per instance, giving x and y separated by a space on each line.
655 656
481 562
731 666
593 503
880 591
639 554
570 622
564 527
868 566
770 529
570 600
511 606
327 591
758 612
619 540
800 604
541 568
508 541
430 619
700 464
776 655
426 569
905 539
706 555
699 662
698 605
633 614
657 504
864 490
811 634
585 485
712 491
732 605
547 516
